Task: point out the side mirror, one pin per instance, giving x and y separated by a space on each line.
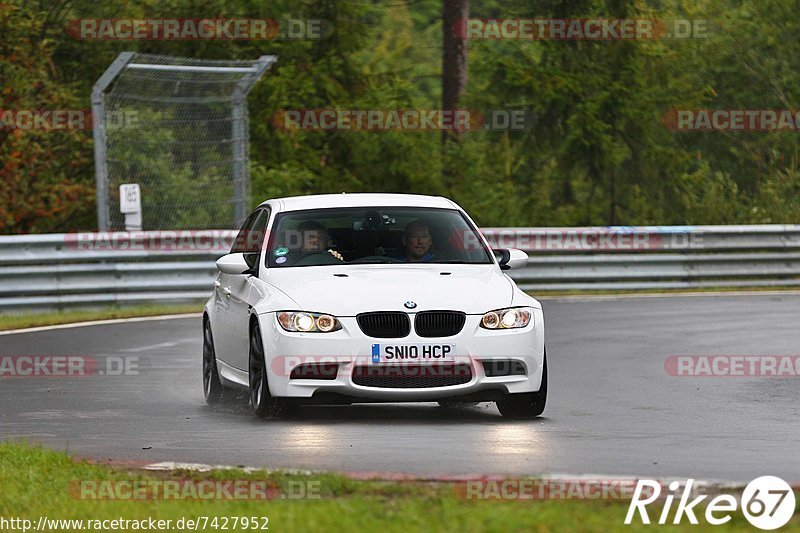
511 258
233 264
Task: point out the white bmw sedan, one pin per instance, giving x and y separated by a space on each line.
371 298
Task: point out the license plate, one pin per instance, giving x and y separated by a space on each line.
412 353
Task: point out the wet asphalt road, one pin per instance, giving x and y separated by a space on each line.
613 409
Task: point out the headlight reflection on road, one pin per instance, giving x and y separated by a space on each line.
516 439
312 438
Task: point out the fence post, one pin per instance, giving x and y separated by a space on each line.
99 134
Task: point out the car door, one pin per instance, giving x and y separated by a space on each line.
227 327
240 288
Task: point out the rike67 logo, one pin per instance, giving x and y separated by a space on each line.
767 502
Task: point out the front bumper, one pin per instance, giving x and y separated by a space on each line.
350 347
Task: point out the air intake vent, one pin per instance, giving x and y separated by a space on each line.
439 323
504 367
315 371
412 376
385 324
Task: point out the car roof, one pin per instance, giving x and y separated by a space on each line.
321 201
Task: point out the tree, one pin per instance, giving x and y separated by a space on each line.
41 186
454 84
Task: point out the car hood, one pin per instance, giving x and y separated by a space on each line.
349 290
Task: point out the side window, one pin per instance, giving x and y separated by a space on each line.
259 232
251 236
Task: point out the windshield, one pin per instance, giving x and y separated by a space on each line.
362 235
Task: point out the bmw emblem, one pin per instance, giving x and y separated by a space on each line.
410 305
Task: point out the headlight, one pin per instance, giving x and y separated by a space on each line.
308 322
515 317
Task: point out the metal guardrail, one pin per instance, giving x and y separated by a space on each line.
59 271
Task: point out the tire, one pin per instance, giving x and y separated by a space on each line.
526 404
212 386
262 402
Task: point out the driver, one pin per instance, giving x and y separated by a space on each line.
417 242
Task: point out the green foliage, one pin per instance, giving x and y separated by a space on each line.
43 181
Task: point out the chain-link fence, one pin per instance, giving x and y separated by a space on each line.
178 127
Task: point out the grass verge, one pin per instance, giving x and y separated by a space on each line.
36 483
14 321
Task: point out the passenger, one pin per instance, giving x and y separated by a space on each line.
418 242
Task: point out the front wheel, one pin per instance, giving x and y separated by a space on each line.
264 404
526 404
212 386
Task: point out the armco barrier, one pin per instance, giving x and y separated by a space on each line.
70 270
